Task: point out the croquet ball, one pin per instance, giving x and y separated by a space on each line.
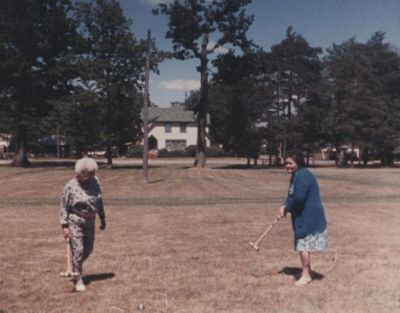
141 307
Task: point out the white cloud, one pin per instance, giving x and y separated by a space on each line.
220 50
180 84
155 2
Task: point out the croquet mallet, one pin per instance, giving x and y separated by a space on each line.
254 245
69 272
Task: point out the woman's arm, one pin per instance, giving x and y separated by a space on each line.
300 193
65 206
101 214
64 211
100 208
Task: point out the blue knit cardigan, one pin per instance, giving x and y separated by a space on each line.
304 204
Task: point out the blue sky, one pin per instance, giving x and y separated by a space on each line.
320 22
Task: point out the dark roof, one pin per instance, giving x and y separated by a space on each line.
173 114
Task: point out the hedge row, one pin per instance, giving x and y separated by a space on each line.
189 152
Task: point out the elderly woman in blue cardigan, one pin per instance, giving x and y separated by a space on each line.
307 212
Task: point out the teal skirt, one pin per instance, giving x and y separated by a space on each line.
313 242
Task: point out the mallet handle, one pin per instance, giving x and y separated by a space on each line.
69 265
266 232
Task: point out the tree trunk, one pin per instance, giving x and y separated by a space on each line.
365 157
58 140
323 154
109 156
337 155
290 96
352 156
386 158
21 158
146 113
201 156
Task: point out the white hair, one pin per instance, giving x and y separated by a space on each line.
85 164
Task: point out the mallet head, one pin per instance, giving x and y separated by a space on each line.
254 246
69 274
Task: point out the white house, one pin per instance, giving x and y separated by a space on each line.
4 142
172 128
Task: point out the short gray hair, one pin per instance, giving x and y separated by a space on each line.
85 164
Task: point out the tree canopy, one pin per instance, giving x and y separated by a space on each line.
113 63
290 98
76 67
365 102
192 25
35 50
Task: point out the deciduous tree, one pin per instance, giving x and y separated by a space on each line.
197 28
114 63
36 41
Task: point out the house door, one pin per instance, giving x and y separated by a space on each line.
153 143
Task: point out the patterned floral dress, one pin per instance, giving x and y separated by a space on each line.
79 205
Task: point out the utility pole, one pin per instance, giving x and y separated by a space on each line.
146 112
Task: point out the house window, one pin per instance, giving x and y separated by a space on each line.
175 144
168 127
182 127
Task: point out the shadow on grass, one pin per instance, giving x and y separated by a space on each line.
246 167
126 166
296 273
71 163
64 163
151 182
87 279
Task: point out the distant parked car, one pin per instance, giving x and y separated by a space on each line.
97 153
101 153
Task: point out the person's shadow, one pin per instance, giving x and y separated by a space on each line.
87 279
296 273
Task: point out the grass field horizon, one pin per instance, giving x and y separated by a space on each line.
180 243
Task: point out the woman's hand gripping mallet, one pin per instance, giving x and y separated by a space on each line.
69 272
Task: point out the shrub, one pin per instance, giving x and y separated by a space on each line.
164 153
135 152
215 151
191 150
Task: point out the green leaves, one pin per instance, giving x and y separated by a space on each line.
36 42
365 101
191 23
113 61
77 66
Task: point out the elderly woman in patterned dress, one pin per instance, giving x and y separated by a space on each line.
307 213
80 202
